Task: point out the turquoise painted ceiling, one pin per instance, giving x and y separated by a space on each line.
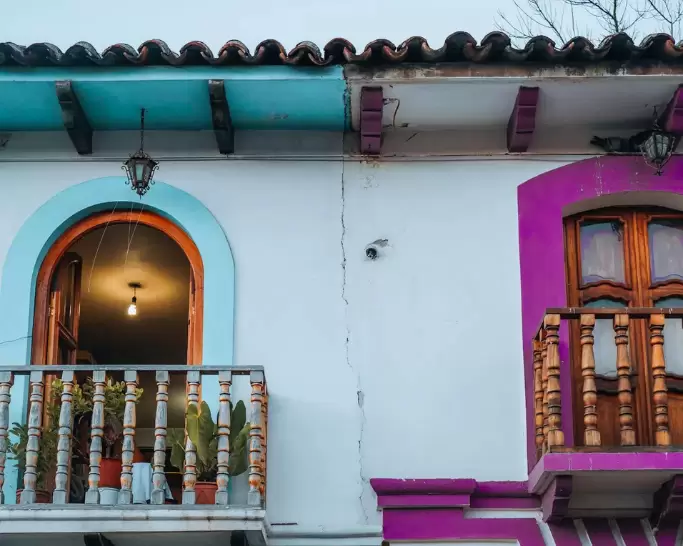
272 98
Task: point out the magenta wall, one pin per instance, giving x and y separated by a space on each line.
542 202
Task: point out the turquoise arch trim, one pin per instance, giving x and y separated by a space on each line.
41 230
47 223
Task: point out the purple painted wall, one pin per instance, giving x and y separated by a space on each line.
437 510
542 202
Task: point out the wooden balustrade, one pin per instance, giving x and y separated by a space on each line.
258 417
548 372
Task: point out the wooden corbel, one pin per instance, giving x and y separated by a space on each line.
74 118
371 106
220 117
522 122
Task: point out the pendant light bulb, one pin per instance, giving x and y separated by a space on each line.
133 307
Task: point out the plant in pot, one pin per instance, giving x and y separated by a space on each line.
203 433
114 408
47 451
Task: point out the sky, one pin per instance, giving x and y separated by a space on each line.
103 23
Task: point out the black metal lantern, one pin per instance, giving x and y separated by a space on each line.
140 167
658 148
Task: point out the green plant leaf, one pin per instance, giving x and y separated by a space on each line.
242 439
238 463
206 434
237 419
176 438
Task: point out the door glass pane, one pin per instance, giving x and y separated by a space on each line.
666 250
673 337
605 350
602 251
68 297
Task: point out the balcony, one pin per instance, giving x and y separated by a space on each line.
193 472
608 413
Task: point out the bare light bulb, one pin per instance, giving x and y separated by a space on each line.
133 308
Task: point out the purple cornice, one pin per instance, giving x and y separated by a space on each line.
456 493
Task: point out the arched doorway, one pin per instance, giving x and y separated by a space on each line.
60 278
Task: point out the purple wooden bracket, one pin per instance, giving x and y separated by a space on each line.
523 120
555 502
672 119
371 106
668 503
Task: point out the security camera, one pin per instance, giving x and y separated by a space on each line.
373 249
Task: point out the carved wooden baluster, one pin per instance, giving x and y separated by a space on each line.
128 447
160 422
35 420
255 471
660 398
264 441
555 434
591 435
5 387
92 496
61 493
628 435
190 475
538 393
222 478
544 385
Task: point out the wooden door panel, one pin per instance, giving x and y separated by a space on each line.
676 418
608 419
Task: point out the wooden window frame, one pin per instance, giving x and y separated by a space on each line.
102 219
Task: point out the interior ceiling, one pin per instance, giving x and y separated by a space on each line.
158 333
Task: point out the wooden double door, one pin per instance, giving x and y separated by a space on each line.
627 257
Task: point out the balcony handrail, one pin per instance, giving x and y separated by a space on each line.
206 369
257 441
566 313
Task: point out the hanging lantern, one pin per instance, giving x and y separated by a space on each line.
140 167
658 148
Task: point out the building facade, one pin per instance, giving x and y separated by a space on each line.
441 300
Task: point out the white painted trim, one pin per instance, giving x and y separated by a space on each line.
134 519
616 532
546 533
649 533
295 531
679 535
480 513
582 532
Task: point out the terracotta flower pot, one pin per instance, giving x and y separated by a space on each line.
110 473
205 492
42 497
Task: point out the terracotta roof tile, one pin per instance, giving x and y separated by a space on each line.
496 47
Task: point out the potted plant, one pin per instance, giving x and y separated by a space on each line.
47 451
114 408
203 432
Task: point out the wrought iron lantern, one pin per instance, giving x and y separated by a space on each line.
140 167
658 148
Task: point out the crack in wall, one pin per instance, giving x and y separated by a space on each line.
360 395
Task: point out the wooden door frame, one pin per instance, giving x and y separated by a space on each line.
102 219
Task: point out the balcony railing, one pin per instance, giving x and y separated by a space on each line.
548 395
40 383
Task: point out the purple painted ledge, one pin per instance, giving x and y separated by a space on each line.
555 464
453 493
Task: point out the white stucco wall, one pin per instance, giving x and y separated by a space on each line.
408 366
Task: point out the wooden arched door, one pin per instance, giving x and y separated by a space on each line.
627 257
55 323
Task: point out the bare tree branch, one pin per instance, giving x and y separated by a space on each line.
534 17
667 15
